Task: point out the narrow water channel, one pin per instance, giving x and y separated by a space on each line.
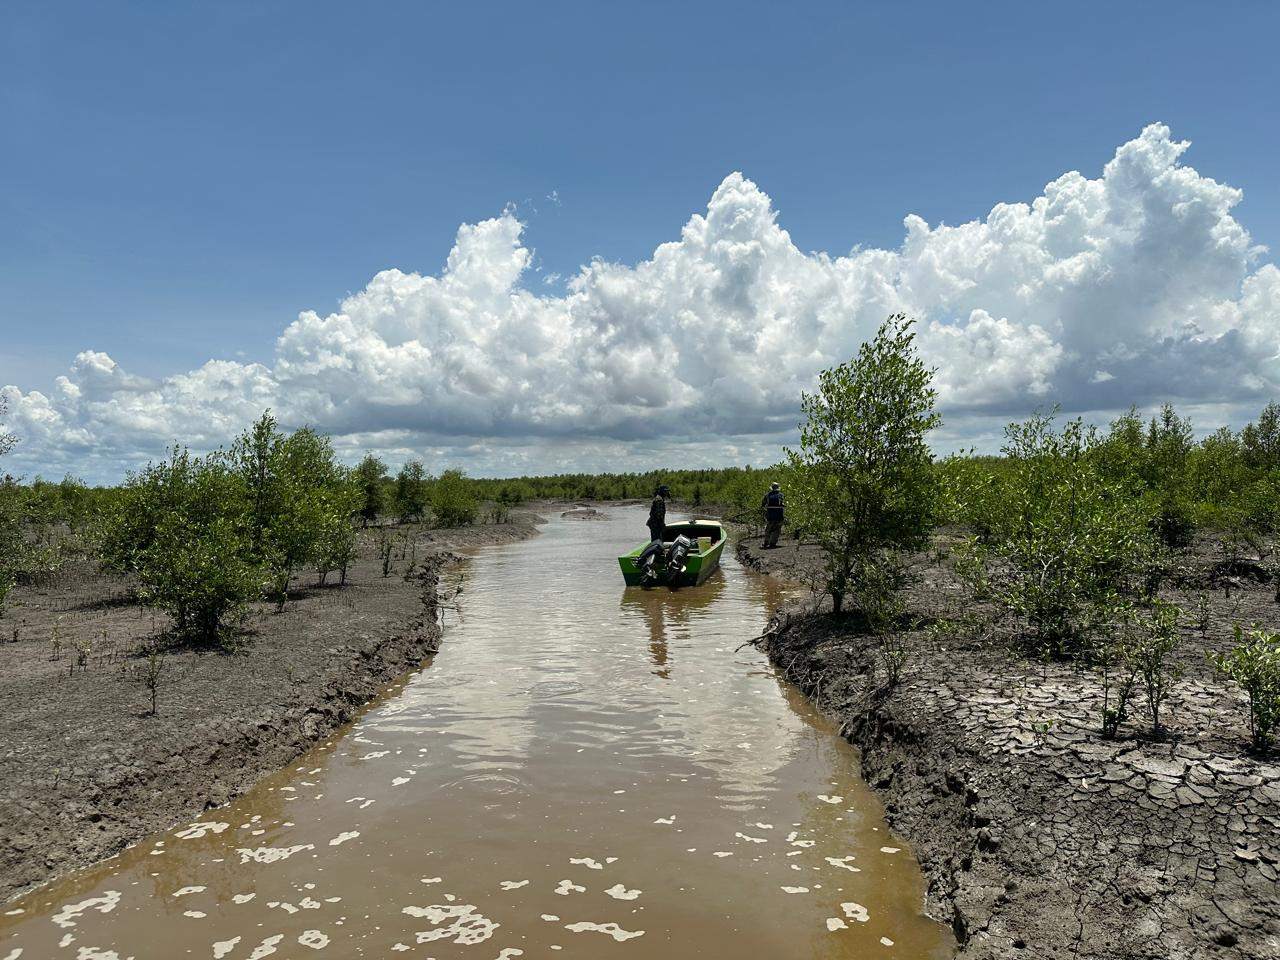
584 771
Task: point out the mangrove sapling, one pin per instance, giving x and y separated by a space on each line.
1254 664
55 640
84 647
1157 635
1118 676
862 481
385 547
150 673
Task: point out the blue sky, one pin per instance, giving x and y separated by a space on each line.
179 181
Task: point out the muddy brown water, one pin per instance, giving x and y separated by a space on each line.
584 771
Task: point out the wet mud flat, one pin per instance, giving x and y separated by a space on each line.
1038 837
85 769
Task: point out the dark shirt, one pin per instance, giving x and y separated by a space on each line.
773 505
657 516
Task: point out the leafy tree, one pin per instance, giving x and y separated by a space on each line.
411 491
186 530
336 546
1065 543
369 477
12 541
286 478
862 481
452 500
1260 441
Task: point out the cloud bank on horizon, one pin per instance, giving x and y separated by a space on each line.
1132 288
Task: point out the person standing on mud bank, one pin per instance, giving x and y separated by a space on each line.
773 510
658 512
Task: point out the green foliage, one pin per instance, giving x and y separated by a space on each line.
370 475
207 536
411 491
1254 664
191 521
1063 543
453 500
1156 636
862 481
286 479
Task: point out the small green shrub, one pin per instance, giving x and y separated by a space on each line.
1156 637
1063 544
1254 664
453 501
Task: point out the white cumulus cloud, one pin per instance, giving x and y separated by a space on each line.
1134 287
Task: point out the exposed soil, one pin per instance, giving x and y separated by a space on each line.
1038 837
85 769
584 513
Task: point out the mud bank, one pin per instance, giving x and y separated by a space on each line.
1038 837
85 769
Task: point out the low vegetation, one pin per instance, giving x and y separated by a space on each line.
1070 533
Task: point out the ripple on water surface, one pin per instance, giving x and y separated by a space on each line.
584 771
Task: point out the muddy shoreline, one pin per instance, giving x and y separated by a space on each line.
1038 838
85 770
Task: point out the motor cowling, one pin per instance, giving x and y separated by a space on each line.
677 554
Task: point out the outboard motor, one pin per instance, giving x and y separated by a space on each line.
677 554
649 560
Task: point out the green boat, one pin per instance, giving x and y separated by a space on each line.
702 560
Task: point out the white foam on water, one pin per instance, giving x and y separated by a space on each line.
666 820
313 939
185 891
267 947
568 886
886 941
587 862
855 911
550 917
69 913
509 952
835 923
844 863
612 929
513 884
619 892
890 849
223 947
461 923
743 836
194 914
96 953
243 897
13 954
398 781
271 854
795 889
344 837
827 799
197 830
723 853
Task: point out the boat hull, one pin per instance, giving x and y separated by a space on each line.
698 566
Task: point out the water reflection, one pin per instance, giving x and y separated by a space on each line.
667 614
583 768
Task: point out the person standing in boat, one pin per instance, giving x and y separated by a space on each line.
658 512
773 507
